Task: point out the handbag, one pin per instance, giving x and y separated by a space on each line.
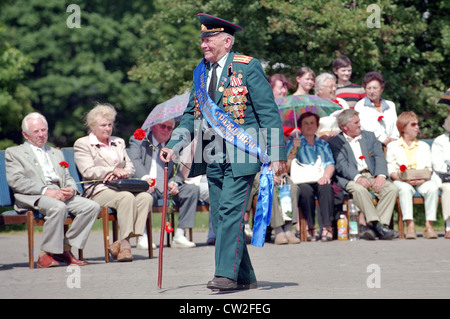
303 173
129 185
411 174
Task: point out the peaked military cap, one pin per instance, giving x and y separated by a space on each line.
212 25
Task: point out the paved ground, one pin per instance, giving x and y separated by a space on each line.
362 269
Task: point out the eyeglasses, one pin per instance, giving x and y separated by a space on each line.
166 127
414 124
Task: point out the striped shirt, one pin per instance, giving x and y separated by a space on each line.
351 94
308 153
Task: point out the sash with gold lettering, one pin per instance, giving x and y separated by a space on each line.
231 132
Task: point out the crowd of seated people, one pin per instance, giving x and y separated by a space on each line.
372 147
364 150
100 158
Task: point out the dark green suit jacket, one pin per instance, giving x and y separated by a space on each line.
261 120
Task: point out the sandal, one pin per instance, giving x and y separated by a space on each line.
327 235
312 235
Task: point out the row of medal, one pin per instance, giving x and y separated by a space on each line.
234 98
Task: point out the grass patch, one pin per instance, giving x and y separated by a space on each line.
201 224
202 220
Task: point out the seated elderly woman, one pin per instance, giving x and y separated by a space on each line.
326 89
307 149
100 156
409 153
377 115
440 158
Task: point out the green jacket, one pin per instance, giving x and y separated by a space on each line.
260 112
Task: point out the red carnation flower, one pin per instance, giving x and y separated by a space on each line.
403 168
64 164
151 182
380 118
139 134
169 227
362 157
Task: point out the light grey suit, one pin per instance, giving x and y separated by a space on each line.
26 178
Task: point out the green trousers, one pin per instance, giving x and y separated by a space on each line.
228 198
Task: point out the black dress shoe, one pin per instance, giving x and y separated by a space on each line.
222 283
367 233
385 233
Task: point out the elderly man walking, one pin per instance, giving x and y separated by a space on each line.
237 107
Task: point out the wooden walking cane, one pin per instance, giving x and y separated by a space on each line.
163 224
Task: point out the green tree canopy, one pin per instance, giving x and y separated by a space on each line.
14 96
410 48
135 54
76 67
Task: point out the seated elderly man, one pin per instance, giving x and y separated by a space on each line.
361 168
148 164
40 180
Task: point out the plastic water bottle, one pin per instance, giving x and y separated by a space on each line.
342 228
353 221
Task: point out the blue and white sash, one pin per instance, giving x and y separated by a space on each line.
231 132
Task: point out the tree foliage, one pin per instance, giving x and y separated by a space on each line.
410 48
14 96
135 54
73 68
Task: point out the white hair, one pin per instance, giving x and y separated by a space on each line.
321 79
344 117
32 116
102 110
228 35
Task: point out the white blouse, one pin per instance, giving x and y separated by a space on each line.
396 156
371 119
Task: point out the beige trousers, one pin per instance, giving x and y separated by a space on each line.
132 210
428 190
445 200
363 199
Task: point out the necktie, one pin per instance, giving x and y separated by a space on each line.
213 83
